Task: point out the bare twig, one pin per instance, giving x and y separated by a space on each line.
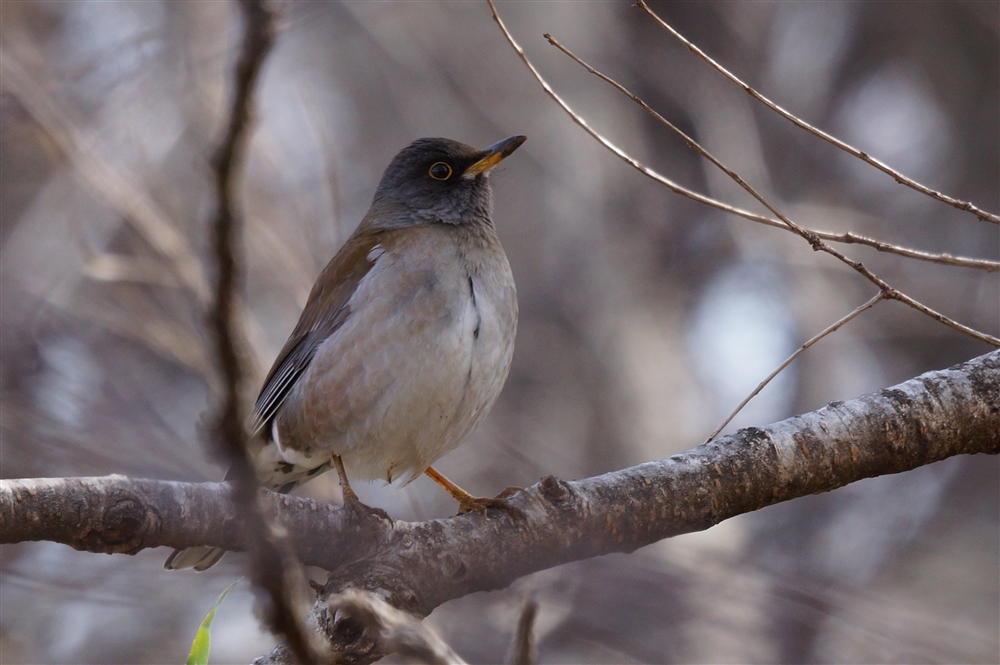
871 303
846 238
881 166
523 651
273 568
83 150
882 246
808 235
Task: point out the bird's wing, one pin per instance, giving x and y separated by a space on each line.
325 312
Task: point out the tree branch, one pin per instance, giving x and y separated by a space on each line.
849 149
421 565
397 632
810 236
833 327
273 567
845 238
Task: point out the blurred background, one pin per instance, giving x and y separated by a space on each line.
645 318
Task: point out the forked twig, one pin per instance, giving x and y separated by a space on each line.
846 238
760 386
868 159
807 234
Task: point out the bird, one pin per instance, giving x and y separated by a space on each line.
404 343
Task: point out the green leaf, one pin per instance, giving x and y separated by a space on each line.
202 639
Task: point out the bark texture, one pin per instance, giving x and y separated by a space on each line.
417 566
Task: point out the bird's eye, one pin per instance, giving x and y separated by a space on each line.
440 171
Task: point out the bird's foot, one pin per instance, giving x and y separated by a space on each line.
352 504
358 510
472 504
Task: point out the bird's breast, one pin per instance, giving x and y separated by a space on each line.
416 365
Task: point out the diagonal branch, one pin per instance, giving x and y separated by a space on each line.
788 361
420 565
814 240
918 422
846 238
881 166
118 188
808 235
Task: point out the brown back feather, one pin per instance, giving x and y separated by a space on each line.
325 311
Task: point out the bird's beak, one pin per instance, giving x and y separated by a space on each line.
493 155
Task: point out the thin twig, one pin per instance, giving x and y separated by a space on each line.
84 151
760 386
271 566
881 166
849 238
810 236
846 238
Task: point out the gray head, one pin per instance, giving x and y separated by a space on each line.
440 180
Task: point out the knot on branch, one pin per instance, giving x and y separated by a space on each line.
352 632
553 489
362 625
125 527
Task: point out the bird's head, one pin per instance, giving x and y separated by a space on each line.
440 180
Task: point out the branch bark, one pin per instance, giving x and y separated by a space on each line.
421 565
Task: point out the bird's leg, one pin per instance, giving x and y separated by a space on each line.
468 503
345 486
351 500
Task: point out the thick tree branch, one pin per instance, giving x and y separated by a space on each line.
423 564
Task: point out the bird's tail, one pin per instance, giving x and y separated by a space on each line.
283 479
200 558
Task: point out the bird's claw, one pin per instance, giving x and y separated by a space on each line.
481 505
355 508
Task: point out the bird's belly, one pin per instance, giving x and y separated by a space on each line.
392 398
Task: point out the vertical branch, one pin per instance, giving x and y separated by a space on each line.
270 566
523 650
226 163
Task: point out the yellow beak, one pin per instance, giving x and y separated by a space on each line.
493 155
